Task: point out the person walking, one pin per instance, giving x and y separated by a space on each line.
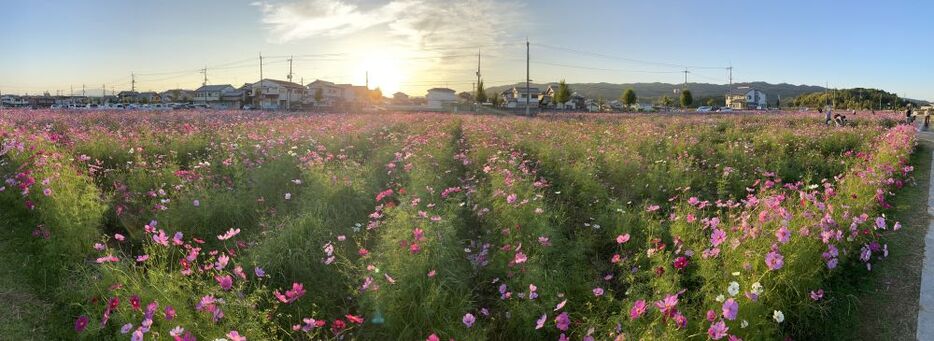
908 118
927 120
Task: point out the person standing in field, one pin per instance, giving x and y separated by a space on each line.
927 120
908 118
828 116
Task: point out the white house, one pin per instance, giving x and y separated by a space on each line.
743 99
518 96
210 95
329 93
274 94
438 98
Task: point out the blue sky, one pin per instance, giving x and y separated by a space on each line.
412 45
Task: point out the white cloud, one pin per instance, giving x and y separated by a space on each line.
417 23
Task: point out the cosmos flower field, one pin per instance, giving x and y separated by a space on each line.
261 226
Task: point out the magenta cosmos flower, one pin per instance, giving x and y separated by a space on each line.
730 308
774 260
637 310
563 322
717 330
81 323
717 237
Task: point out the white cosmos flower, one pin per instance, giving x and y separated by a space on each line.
778 316
757 288
720 298
733 289
744 324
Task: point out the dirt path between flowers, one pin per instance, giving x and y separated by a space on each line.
23 314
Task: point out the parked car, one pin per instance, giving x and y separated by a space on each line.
704 109
725 109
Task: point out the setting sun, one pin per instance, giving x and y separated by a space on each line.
385 73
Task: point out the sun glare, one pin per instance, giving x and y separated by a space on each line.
385 72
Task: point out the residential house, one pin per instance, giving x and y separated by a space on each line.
355 94
742 99
438 98
213 96
522 96
149 97
128 96
275 94
400 98
177 96
324 94
13 101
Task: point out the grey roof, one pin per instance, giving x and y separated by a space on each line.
221 87
283 83
441 90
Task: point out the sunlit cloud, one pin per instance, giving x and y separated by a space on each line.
434 24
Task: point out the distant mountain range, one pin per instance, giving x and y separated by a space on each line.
649 92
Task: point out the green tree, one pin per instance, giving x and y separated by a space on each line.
494 99
686 98
665 101
481 95
564 93
778 103
711 102
629 97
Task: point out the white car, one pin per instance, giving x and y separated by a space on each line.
704 109
725 109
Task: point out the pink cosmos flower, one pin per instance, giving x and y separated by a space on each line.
511 198
598 292
259 272
225 281
230 234
291 295
469 320
717 330
637 310
680 320
667 305
432 337
730 308
160 238
235 336
563 321
119 237
541 321
520 258
783 235
817 295
620 239
169 312
717 237
142 258
711 315
774 260
126 328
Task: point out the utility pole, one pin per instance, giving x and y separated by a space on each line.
288 103
367 75
528 90
730 68
205 72
477 87
685 85
132 82
103 92
83 94
260 66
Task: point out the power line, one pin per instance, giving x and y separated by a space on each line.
632 60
